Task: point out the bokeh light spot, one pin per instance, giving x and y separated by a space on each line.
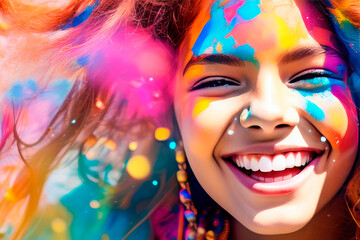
58 225
172 145
133 146
99 104
90 142
94 204
155 183
138 167
110 144
162 134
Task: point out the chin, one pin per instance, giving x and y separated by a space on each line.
281 225
275 228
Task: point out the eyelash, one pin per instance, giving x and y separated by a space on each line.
213 82
302 80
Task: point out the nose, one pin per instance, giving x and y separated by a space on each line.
269 107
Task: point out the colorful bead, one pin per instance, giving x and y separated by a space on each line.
190 234
181 176
194 231
184 196
180 156
190 215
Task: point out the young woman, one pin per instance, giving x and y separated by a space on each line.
265 96
266 86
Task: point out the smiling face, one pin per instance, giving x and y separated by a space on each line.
267 120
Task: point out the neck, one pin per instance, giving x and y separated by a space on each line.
333 222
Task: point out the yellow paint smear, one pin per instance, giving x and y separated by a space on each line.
288 37
200 106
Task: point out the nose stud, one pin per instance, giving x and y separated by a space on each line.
245 114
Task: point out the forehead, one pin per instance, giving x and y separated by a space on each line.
248 28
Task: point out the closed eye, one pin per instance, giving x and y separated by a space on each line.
314 78
215 82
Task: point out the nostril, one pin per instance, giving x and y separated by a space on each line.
282 126
255 127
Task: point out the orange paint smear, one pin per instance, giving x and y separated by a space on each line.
351 128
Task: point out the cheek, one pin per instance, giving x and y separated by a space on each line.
343 119
333 113
204 120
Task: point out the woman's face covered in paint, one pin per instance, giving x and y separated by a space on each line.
267 120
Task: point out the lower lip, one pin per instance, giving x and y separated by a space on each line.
282 187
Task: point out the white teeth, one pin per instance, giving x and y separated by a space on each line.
279 163
255 177
242 162
265 164
290 160
298 159
238 162
268 163
247 163
269 179
278 179
255 164
287 177
303 159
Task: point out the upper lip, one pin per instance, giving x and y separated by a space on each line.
272 150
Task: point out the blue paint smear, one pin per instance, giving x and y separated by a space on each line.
249 10
82 61
16 92
82 17
58 91
319 85
22 91
216 31
354 81
314 111
29 90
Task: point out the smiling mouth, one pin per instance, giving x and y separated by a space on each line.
275 167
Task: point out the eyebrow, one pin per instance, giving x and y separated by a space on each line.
214 58
303 52
285 58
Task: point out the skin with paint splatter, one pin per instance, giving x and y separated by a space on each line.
270 73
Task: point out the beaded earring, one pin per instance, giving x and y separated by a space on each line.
212 225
